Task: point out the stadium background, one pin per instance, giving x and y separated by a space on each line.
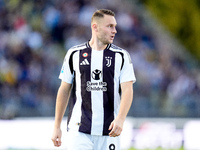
161 36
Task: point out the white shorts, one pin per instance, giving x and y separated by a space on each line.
81 141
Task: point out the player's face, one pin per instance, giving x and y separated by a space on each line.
106 29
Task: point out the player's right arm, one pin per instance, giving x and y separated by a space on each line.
61 104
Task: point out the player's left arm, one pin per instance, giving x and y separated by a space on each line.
126 101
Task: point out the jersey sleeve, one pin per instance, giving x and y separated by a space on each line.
66 74
127 72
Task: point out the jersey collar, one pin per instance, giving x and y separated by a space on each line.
88 45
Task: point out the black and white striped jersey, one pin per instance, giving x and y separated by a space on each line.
96 77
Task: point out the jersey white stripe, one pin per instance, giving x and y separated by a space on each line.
116 85
97 96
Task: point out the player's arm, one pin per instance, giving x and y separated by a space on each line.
126 101
61 104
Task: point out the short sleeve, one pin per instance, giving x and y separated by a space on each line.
127 72
66 74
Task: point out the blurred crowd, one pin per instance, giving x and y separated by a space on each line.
36 34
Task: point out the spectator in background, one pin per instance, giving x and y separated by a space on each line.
31 45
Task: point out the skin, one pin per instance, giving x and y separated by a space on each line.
61 105
103 33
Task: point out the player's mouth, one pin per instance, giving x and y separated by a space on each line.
112 37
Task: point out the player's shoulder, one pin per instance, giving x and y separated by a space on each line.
78 47
117 49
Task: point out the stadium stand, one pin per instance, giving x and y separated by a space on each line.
35 35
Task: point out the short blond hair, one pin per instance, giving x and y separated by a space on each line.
100 14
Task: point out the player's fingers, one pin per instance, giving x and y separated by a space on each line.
58 142
54 141
112 132
111 126
116 131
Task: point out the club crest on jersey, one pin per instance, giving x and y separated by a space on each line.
96 74
85 54
108 61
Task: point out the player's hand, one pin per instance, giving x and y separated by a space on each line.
116 127
56 137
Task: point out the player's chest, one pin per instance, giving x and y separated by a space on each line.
96 62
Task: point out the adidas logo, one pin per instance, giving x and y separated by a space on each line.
84 62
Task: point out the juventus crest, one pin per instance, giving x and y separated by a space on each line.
108 61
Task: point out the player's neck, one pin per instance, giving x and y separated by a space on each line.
97 45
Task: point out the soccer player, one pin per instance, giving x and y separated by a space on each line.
99 77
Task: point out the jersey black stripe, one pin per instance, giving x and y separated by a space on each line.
108 96
122 59
86 108
71 62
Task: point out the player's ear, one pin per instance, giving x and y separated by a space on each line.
94 27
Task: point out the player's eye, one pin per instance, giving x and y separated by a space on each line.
110 26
